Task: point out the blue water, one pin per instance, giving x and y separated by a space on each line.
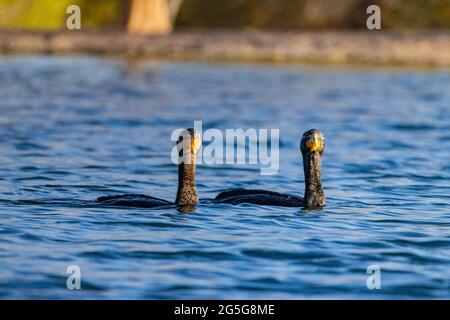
74 128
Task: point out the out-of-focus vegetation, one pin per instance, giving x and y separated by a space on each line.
295 14
273 14
51 14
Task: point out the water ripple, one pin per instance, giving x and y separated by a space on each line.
70 135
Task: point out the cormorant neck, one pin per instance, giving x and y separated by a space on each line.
187 193
314 194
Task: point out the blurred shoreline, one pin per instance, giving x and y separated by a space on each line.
429 48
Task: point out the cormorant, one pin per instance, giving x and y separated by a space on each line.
312 146
188 144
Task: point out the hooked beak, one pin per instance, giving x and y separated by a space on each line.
313 142
196 143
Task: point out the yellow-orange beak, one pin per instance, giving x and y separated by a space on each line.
313 143
196 142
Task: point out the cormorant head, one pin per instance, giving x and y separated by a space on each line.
312 146
312 141
188 144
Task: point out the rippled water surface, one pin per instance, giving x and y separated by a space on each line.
72 129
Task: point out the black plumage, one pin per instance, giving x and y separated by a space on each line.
312 146
187 145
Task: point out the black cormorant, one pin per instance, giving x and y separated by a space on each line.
312 146
188 144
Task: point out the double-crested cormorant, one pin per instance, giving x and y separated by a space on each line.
312 146
188 144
